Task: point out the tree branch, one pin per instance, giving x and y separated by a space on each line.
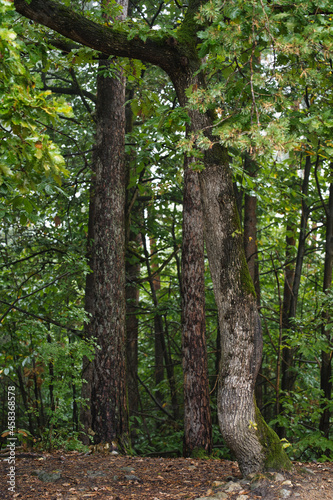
105 39
41 318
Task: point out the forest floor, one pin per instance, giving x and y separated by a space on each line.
71 476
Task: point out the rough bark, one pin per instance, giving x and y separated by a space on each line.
105 287
251 252
197 417
132 329
108 392
85 411
255 445
289 274
326 357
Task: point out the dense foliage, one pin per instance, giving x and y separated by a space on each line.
269 75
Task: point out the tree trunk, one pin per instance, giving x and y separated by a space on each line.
251 253
132 271
326 357
89 303
132 329
288 374
108 394
197 417
254 444
289 275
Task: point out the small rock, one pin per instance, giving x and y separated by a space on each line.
48 477
218 483
278 477
211 498
131 477
287 483
221 495
127 469
95 473
309 471
231 487
242 497
284 493
206 498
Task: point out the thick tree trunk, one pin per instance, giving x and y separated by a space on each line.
108 393
326 357
255 446
197 417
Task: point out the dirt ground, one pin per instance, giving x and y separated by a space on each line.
72 476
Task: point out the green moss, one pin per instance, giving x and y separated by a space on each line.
186 34
245 277
275 456
200 453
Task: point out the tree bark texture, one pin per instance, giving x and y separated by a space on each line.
197 417
89 303
108 393
250 231
326 357
132 330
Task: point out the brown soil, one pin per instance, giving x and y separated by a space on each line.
121 477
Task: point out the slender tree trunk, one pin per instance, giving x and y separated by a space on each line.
288 374
326 357
132 329
289 274
155 284
132 274
89 303
251 252
162 358
197 417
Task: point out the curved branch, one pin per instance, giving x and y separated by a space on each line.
105 39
